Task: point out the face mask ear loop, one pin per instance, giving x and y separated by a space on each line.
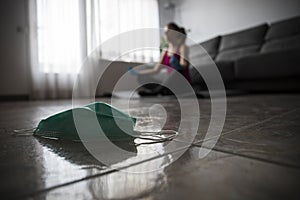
24 132
172 134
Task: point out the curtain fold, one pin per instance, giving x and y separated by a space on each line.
55 47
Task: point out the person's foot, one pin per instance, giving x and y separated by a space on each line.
166 92
147 92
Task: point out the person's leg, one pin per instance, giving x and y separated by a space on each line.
161 88
151 83
145 79
173 81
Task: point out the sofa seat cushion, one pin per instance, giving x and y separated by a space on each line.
250 36
284 64
283 36
226 70
234 54
285 28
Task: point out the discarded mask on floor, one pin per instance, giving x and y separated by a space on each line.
62 125
88 118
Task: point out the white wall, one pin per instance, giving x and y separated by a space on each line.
13 51
208 18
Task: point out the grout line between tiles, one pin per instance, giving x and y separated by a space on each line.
253 158
247 126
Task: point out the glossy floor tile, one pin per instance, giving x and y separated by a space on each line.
275 139
257 155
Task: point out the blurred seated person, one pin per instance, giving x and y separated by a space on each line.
174 57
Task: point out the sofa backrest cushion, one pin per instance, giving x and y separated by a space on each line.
240 44
284 35
211 46
204 53
234 54
248 37
287 43
284 28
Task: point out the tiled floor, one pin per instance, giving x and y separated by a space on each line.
256 157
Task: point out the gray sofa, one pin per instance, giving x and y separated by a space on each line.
265 58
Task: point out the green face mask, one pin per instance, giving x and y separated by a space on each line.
62 125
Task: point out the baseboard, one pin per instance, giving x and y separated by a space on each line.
14 97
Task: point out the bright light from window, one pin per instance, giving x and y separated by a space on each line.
58 36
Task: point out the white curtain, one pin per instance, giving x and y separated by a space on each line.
64 32
109 18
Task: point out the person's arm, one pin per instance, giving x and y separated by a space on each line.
184 53
156 68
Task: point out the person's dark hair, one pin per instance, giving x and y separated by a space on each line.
173 26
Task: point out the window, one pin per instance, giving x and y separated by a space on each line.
58 35
69 30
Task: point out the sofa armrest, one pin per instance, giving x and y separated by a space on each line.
280 64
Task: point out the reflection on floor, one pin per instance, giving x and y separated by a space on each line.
257 155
